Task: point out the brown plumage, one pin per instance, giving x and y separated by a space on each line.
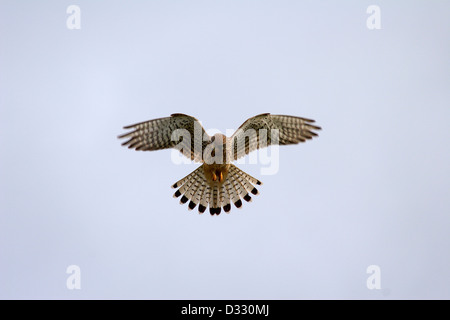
217 183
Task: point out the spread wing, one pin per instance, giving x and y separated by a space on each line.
291 130
178 131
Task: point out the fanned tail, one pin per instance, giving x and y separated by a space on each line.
195 189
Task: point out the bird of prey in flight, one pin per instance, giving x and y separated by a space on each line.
217 183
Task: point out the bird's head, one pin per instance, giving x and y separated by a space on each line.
219 138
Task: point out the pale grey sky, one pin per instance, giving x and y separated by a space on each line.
371 190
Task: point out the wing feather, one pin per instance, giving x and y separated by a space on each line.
158 134
260 131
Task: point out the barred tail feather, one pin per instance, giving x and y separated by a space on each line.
204 199
231 192
225 199
245 175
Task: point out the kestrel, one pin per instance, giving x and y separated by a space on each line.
217 183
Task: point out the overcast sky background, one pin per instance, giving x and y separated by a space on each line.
373 189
